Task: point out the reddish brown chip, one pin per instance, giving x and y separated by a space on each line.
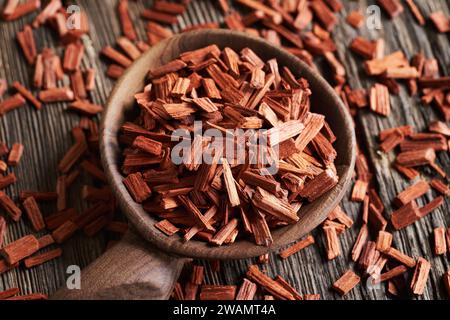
3 87
376 218
94 170
311 296
391 141
115 71
286 253
3 230
10 207
64 231
409 173
9 293
11 103
324 15
394 272
95 226
359 191
384 241
85 107
225 232
363 47
405 130
34 214
27 95
197 275
416 158
247 290
378 66
268 284
411 193
405 216
441 187
440 21
416 12
448 239
10 7
125 20
319 185
57 95
379 99
339 215
27 43
3 166
5 266
446 279
346 283
7 180
431 206
15 154
369 256
30 297
333 245
137 187
400 257
20 249
73 57
16 11
3 149
420 278
288 287
225 7
166 227
61 191
42 258
77 85
264 259
257 5
440 246
46 241
116 56
159 16
129 48
72 156
173 66
355 19
360 242
89 79
212 292
55 220
148 145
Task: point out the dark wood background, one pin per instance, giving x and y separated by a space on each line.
46 135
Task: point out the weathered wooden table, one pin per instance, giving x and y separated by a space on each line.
46 135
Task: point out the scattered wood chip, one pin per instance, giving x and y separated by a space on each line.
346 283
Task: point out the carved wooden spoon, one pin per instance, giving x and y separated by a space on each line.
146 263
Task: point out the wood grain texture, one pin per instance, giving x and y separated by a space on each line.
46 134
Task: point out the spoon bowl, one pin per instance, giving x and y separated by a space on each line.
324 101
148 269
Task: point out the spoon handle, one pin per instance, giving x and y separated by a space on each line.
131 270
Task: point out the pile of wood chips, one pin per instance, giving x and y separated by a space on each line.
234 194
303 28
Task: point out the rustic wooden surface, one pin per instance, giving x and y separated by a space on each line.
46 135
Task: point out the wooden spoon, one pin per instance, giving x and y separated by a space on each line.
146 263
